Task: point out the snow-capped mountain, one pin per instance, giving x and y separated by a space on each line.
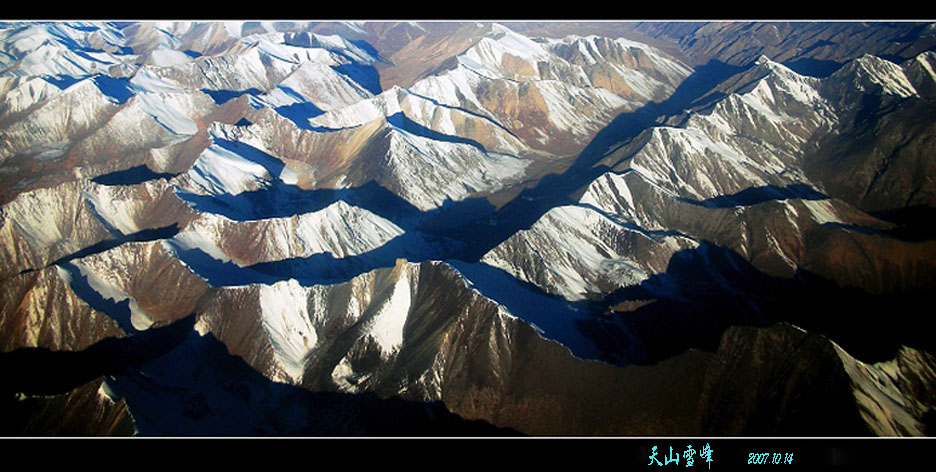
231 228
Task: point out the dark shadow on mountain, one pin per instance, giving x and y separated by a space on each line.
221 97
869 111
116 88
300 114
449 218
86 52
914 34
199 389
153 234
855 228
216 272
366 47
119 311
176 382
914 223
554 190
84 28
702 80
272 165
63 39
651 233
279 199
366 76
472 221
40 371
401 121
321 268
301 111
813 67
300 39
818 44
896 59
552 316
324 268
62 81
132 176
757 195
289 92
706 290
467 112
693 304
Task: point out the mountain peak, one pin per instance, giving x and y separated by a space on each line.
763 60
870 72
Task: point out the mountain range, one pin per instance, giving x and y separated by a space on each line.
459 228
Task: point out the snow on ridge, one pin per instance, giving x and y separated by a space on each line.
274 45
286 321
588 46
19 93
880 72
486 56
336 43
318 84
90 266
386 325
518 45
340 229
195 240
234 29
448 87
57 60
563 113
164 57
385 104
927 61
165 101
429 171
220 171
355 26
114 214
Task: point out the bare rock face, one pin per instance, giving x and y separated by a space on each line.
808 383
84 411
895 396
34 236
780 381
142 273
39 310
419 332
577 252
40 314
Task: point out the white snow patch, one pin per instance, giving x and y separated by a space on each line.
823 211
168 57
386 327
190 240
286 321
221 171
139 319
340 375
164 101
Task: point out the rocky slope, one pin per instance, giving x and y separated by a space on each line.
292 228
